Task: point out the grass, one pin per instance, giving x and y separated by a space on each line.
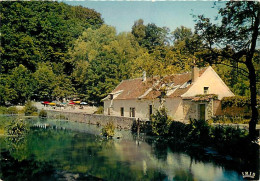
230 120
2 131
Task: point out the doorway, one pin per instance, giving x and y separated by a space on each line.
202 111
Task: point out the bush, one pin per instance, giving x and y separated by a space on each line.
17 128
178 130
12 110
229 119
30 110
199 131
160 122
43 114
100 110
108 130
3 110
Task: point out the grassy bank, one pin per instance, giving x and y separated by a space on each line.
223 138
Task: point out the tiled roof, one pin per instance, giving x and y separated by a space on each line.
149 89
133 88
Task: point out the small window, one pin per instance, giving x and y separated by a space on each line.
132 112
206 90
108 111
122 111
111 96
150 109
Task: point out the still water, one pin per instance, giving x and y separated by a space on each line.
75 151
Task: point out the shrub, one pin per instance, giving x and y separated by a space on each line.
229 119
160 122
43 114
178 130
12 110
100 110
29 109
3 110
17 128
108 130
198 131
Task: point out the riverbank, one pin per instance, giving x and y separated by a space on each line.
87 115
95 119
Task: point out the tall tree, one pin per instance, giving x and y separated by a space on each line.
233 42
22 83
150 36
33 32
101 59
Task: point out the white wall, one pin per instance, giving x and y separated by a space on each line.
141 107
173 107
209 79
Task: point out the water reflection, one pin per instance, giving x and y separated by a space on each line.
69 155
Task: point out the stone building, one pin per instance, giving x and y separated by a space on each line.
195 94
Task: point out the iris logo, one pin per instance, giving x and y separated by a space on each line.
248 174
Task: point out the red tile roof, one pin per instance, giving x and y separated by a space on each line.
135 88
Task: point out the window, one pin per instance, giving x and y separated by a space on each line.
122 111
108 111
206 90
111 96
132 112
150 110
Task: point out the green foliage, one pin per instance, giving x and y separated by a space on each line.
237 107
17 128
8 110
232 119
68 51
238 101
224 134
150 36
30 110
160 122
35 45
22 84
178 131
198 131
101 60
11 110
45 81
100 110
31 34
62 87
233 42
237 82
3 110
43 114
213 96
108 130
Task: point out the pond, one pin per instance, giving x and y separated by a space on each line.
75 151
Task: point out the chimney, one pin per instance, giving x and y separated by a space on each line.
194 73
144 76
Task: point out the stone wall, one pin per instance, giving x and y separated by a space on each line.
189 110
209 109
96 119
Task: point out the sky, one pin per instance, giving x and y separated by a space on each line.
172 14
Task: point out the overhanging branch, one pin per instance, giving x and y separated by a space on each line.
238 68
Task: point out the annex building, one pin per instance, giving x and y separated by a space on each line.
196 94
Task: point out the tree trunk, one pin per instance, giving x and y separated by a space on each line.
254 119
252 78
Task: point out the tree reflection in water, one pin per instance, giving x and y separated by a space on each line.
68 155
